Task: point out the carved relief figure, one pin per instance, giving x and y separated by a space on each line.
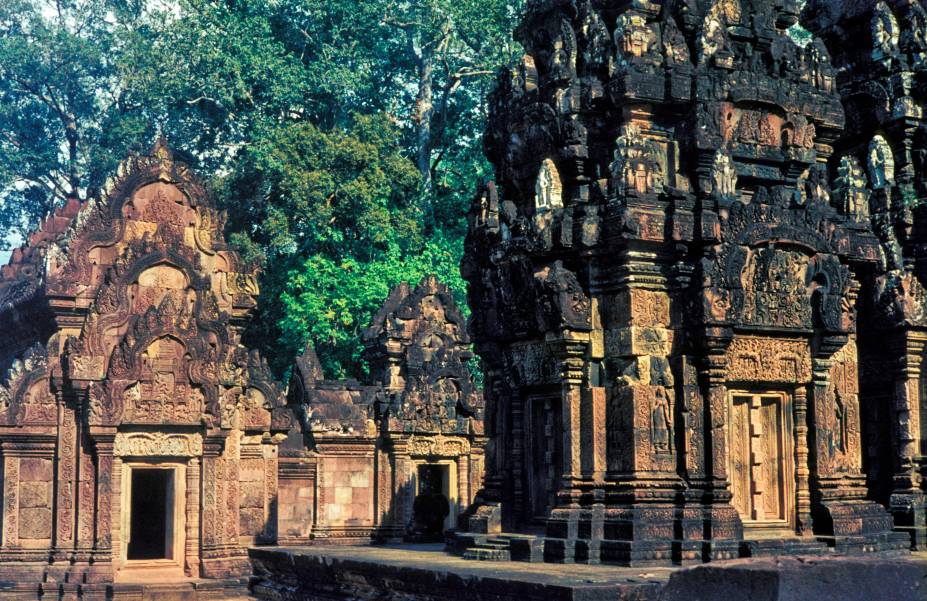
636 165
548 191
724 176
851 189
881 163
884 33
633 37
661 428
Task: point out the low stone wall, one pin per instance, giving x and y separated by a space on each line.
425 574
388 574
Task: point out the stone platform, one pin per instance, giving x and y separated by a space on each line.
427 573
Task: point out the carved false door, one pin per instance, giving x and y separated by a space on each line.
545 446
760 465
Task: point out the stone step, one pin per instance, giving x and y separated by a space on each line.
783 546
487 552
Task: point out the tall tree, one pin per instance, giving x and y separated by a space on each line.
340 138
60 102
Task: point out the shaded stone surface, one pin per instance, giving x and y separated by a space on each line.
801 579
422 573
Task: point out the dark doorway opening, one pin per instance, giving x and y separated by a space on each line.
151 498
431 506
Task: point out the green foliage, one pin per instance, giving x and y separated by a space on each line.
331 302
343 138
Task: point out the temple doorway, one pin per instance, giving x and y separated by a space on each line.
151 514
432 507
760 466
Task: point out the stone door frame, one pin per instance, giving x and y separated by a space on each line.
176 521
451 487
787 439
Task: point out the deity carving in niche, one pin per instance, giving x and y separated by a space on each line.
914 35
548 192
633 37
660 424
711 40
881 163
598 50
884 33
774 288
636 165
724 176
675 48
822 73
850 189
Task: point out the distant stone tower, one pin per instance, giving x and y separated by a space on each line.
135 429
363 453
664 283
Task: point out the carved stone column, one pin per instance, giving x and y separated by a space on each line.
117 510
270 451
192 542
66 482
10 499
908 502
102 556
212 528
802 471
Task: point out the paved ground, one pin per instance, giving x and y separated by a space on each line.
427 573
434 557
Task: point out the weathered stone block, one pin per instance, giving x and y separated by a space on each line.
35 469
35 494
35 522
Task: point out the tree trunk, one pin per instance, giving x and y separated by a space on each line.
70 132
424 112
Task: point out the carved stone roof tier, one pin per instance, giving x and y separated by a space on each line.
418 351
140 305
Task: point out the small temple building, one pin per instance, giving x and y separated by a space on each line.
136 432
696 284
399 456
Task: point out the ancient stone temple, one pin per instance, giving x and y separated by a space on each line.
399 456
672 279
884 162
136 432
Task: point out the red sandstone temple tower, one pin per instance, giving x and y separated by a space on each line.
362 456
884 166
665 284
135 430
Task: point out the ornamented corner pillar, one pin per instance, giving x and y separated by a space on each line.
842 513
211 527
723 526
271 455
101 570
563 521
908 500
192 541
66 492
10 499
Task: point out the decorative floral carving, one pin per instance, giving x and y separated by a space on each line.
157 444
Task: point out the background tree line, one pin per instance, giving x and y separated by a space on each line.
342 137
